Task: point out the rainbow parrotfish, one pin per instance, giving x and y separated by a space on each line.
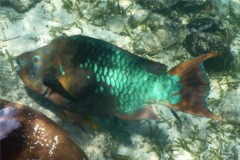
96 77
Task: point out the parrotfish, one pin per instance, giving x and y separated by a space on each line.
28 134
92 76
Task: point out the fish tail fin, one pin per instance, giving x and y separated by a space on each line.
195 87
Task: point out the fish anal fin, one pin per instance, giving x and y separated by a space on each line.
195 87
195 109
145 113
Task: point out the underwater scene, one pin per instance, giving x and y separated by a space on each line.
120 79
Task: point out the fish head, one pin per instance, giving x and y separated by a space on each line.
33 66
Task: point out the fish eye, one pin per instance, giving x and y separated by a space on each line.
36 58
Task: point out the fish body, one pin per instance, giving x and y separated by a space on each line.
28 134
104 79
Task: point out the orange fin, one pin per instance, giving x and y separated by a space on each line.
195 87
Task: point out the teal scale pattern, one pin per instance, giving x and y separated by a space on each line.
129 81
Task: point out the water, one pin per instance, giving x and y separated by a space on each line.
152 29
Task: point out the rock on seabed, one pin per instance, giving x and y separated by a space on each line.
19 5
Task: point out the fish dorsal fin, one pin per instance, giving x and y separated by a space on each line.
152 66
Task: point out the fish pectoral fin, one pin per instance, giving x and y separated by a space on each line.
145 113
52 82
153 67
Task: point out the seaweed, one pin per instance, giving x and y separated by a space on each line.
11 59
6 72
217 153
120 157
68 5
11 16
